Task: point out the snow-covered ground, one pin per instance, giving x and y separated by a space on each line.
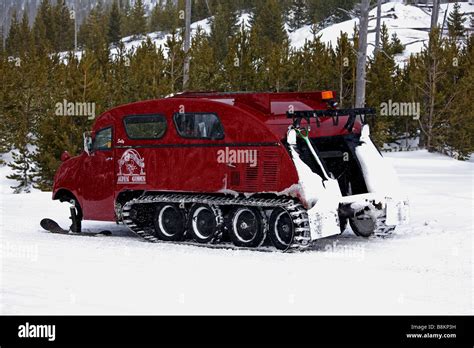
425 268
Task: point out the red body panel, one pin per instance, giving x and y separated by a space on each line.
255 122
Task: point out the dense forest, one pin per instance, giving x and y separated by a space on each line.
34 77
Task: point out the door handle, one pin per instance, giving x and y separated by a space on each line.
109 158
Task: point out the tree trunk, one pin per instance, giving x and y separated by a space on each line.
377 29
187 44
362 54
435 14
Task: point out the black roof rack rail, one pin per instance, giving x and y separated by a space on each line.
297 116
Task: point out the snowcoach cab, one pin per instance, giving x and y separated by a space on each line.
252 169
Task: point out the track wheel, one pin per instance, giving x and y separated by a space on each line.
205 222
362 226
169 222
281 229
247 227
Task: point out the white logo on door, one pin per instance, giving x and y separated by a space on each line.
131 168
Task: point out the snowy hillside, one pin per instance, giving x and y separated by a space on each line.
425 268
410 23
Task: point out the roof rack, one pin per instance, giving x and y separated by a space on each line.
298 116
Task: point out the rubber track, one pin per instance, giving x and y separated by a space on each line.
296 211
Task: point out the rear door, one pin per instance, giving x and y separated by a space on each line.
98 178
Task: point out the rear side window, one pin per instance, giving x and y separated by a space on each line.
145 126
103 139
199 126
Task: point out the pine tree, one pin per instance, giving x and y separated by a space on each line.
268 25
62 30
396 46
298 17
13 40
456 22
429 76
223 27
345 63
93 34
175 61
114 29
2 41
137 19
43 28
147 77
170 20
239 65
200 10
24 35
460 135
156 17
204 72
23 170
382 72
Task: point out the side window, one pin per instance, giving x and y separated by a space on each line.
145 126
103 139
199 126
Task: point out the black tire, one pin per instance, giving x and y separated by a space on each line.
204 223
362 226
247 226
169 222
281 229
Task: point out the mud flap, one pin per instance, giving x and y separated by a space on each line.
397 212
323 223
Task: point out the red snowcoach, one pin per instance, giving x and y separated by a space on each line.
232 167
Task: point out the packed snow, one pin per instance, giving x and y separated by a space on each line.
424 268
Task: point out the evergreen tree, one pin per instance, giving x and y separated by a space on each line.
62 29
13 40
204 72
345 63
156 17
22 166
137 19
223 28
42 27
175 61
430 73
147 78
460 135
200 10
382 72
268 25
240 64
312 67
2 41
93 33
396 46
114 29
456 22
24 35
298 16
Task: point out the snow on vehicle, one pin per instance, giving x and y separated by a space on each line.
251 169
